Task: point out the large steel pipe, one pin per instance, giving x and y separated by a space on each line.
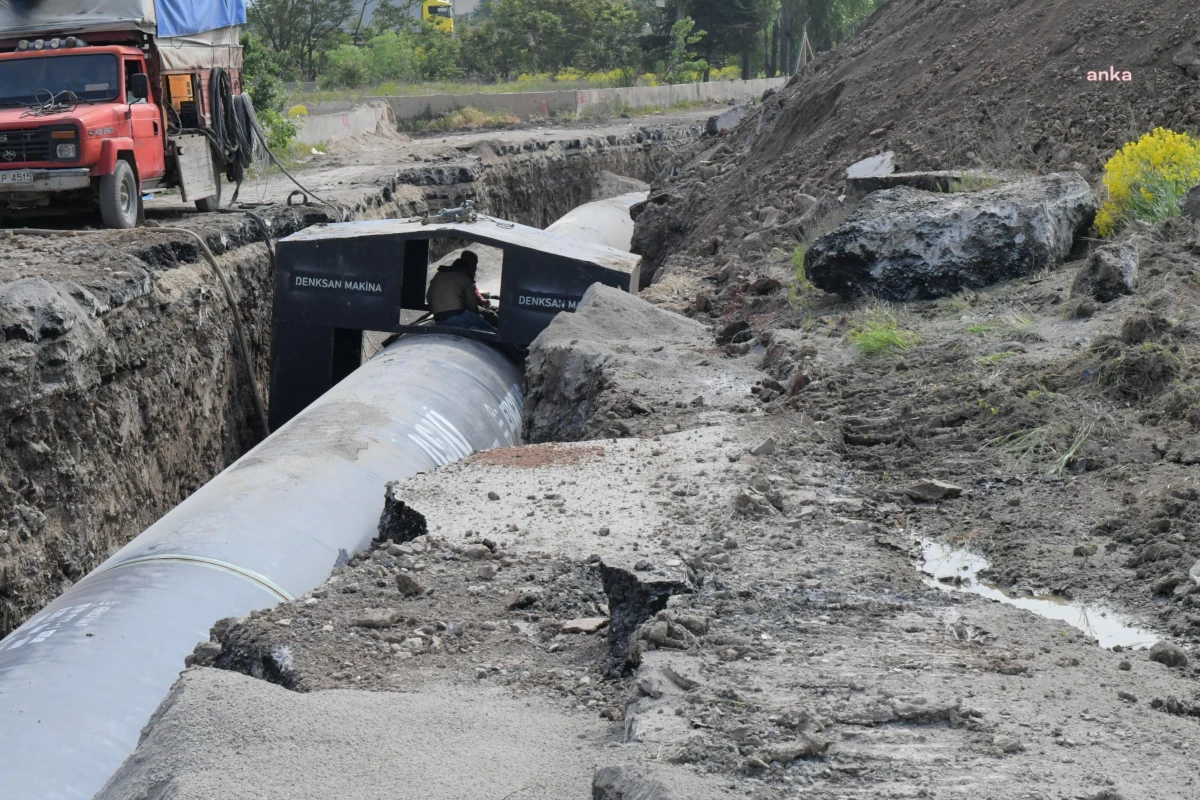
79 680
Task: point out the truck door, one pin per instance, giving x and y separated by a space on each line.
145 119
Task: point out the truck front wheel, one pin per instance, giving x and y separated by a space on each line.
119 197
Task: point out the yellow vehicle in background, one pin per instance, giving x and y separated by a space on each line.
439 13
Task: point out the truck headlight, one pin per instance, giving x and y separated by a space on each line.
67 151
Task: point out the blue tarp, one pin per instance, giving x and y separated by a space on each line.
186 17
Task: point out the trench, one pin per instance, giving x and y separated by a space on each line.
123 424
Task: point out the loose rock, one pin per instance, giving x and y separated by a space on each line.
1168 654
408 585
1111 271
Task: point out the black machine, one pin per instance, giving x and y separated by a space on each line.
335 281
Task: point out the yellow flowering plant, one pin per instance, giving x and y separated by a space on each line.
1146 179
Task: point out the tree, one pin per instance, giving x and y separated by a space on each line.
386 56
397 15
300 31
260 73
827 21
682 64
439 54
733 27
551 35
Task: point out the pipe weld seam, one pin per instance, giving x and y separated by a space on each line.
216 563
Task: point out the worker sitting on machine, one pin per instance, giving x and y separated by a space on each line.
454 299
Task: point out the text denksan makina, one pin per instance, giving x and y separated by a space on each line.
338 283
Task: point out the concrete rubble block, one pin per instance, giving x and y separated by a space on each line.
905 244
1110 272
933 181
1188 60
613 349
634 597
764 448
877 166
932 490
204 655
804 746
727 121
621 783
585 625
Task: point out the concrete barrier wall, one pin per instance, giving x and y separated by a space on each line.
318 128
528 104
523 104
643 96
367 118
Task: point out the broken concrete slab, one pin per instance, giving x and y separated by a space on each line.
947 180
616 783
585 625
1110 272
877 166
932 490
905 244
726 121
588 373
378 618
195 749
633 598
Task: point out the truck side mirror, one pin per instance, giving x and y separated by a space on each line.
139 85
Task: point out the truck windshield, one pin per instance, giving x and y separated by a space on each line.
92 77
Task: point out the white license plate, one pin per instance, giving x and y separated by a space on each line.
24 176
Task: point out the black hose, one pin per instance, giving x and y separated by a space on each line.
262 226
262 137
232 118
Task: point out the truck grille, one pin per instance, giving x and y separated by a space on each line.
17 146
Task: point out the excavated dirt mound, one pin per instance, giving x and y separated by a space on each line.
994 83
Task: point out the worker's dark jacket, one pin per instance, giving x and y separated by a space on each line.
451 290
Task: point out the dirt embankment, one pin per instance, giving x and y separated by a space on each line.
1073 417
943 85
121 385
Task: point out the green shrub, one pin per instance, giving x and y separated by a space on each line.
1147 178
349 67
280 130
880 334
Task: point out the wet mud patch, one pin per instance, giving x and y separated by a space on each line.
958 570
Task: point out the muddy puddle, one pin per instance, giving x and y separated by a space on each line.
943 564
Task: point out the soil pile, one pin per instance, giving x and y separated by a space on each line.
992 83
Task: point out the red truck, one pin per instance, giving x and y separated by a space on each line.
103 100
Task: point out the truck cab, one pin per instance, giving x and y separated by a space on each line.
85 126
439 13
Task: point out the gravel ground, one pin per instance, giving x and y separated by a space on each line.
762 627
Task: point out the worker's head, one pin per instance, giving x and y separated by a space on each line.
467 262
